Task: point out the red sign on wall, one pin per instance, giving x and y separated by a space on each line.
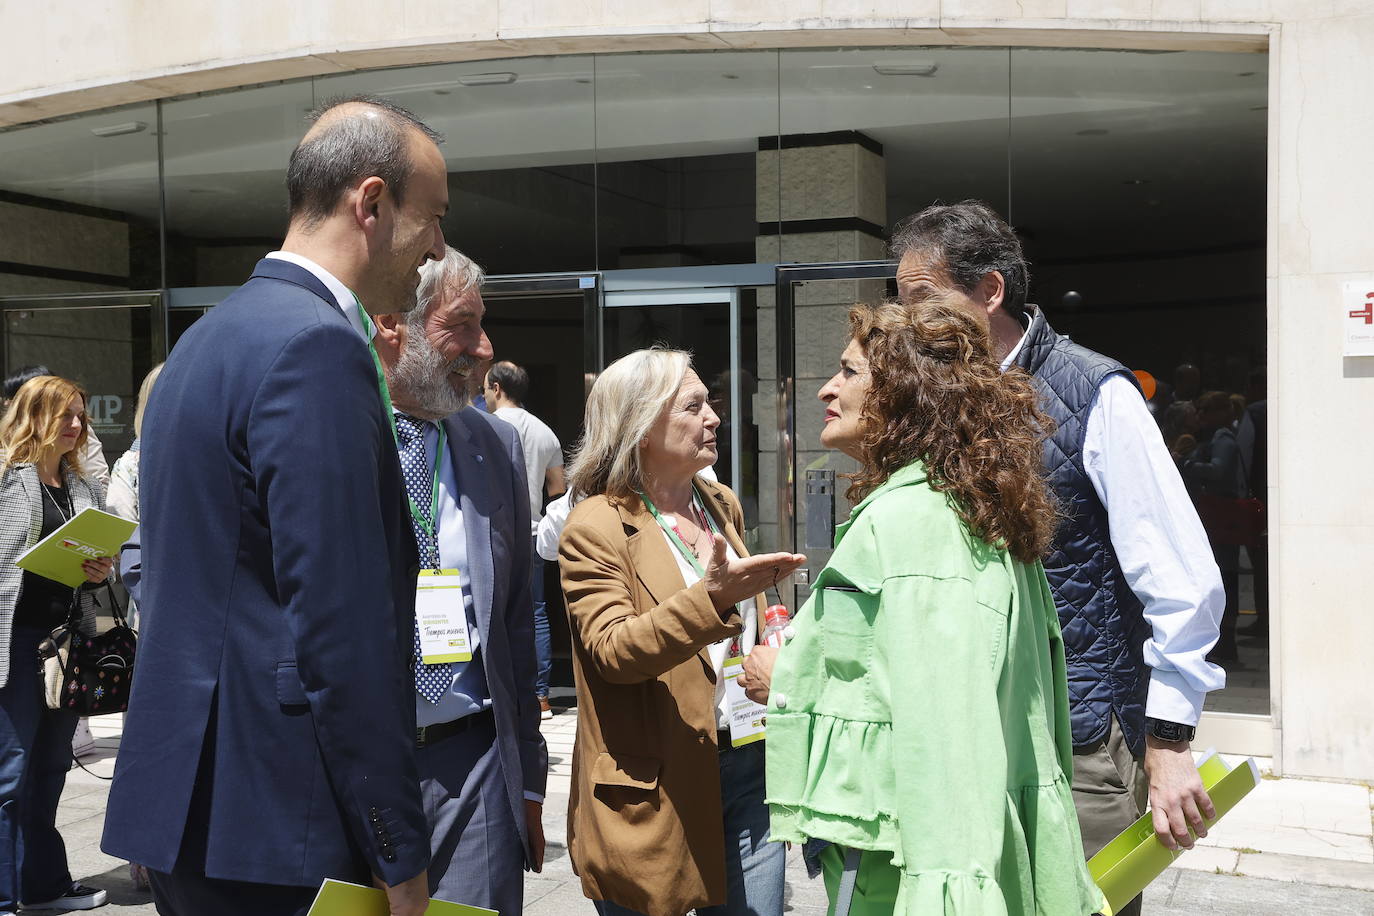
1358 305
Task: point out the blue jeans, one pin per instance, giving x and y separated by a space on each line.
754 867
543 643
35 754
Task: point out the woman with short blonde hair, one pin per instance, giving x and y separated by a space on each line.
666 812
122 498
41 487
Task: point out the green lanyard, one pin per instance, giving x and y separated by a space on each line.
675 537
427 524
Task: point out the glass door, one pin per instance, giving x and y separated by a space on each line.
104 342
810 331
547 323
719 327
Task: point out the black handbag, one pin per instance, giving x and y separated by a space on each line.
90 675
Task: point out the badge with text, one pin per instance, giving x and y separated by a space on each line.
442 618
746 716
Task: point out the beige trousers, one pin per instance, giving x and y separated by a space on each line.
1110 791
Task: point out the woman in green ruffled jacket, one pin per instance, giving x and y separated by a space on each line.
918 720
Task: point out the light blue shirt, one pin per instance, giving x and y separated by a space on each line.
468 693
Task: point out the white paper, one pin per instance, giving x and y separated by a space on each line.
746 716
442 619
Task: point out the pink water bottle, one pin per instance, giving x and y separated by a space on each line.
775 623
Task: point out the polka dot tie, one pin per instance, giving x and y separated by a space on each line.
431 681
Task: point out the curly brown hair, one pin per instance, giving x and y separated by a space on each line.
937 394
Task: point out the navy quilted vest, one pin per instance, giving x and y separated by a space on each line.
1104 627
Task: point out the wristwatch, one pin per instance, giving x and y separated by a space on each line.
1169 731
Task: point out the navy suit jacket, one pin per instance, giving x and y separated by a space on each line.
270 737
490 469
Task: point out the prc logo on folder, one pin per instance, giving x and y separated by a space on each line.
81 547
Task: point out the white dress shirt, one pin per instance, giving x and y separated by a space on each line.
342 294
1160 544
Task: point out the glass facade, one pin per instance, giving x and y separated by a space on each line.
1136 180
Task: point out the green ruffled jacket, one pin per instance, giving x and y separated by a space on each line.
922 709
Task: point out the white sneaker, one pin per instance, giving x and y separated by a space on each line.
83 742
80 897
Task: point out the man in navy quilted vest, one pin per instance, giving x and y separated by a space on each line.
1138 593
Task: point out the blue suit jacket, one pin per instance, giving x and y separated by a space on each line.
270 737
490 470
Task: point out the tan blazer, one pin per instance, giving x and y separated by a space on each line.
646 776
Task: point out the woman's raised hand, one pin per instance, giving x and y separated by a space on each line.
729 582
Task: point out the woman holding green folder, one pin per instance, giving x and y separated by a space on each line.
918 721
41 487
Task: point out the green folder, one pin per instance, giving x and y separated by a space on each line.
88 535
339 898
1127 864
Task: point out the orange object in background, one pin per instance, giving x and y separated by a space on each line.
1147 383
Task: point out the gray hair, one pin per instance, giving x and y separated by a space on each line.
622 406
454 273
345 150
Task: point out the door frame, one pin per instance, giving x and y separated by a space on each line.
153 299
699 295
588 285
786 277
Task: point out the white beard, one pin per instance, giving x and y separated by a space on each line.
423 375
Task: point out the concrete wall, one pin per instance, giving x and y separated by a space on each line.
1319 196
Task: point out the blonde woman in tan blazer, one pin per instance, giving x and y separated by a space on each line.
664 815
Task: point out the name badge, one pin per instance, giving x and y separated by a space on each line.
746 716
442 619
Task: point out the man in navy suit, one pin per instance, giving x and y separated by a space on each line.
482 760
270 741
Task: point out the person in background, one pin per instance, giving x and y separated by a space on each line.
506 387
941 775
1213 469
477 380
92 452
122 500
1253 438
43 484
664 815
1178 426
92 459
123 495
1187 382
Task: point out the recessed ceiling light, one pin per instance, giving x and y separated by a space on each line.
1246 73
1136 181
729 76
581 79
443 91
1092 132
910 68
119 130
500 78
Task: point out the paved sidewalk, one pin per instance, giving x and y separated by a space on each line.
1292 845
